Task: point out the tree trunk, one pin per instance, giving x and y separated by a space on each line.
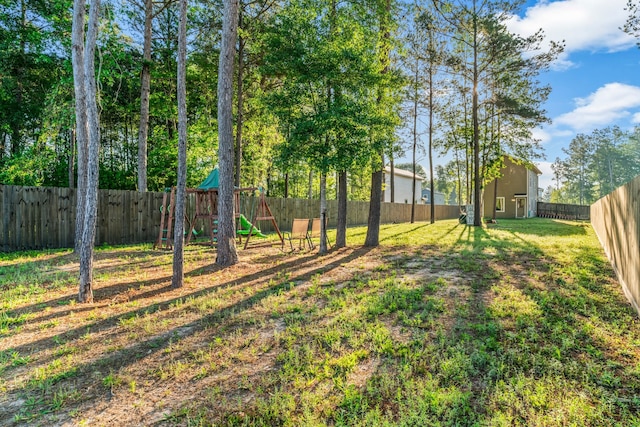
373 223
268 182
85 292
432 218
477 184
341 230
72 158
177 281
145 89
18 90
375 200
415 133
240 102
77 57
392 180
495 198
413 186
286 185
459 175
611 181
323 213
227 254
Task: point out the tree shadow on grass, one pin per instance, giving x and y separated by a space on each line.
533 324
526 345
416 227
130 292
131 354
525 339
543 227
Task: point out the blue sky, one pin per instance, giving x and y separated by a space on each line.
596 81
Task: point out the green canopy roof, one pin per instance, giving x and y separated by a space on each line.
211 182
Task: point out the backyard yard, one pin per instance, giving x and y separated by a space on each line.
521 323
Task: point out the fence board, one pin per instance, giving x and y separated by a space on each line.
53 200
17 206
66 218
38 217
616 221
11 219
34 221
27 219
563 211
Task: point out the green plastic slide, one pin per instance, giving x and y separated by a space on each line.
245 226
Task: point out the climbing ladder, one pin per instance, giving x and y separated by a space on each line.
263 213
166 219
206 209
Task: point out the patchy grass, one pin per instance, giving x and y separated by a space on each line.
521 323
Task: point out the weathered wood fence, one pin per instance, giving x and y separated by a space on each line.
44 217
563 211
616 220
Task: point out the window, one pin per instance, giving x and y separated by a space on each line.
499 204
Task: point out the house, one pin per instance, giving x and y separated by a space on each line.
439 198
403 185
517 191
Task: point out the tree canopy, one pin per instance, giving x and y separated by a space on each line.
319 89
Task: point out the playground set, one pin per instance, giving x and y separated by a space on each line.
205 209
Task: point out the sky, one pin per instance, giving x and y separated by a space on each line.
595 82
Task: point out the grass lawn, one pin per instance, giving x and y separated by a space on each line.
520 323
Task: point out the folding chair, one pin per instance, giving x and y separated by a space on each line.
315 232
299 231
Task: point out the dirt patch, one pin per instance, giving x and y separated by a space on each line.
363 372
142 350
277 331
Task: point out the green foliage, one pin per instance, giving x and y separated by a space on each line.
597 164
494 97
330 78
30 66
31 167
632 24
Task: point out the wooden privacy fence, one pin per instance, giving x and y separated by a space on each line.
616 220
563 211
285 210
44 217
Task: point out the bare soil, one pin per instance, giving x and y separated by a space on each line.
142 351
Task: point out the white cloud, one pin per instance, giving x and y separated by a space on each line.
635 119
541 135
606 105
563 133
592 25
546 179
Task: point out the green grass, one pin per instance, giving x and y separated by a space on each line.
521 323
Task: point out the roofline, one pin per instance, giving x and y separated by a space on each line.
435 192
405 173
529 165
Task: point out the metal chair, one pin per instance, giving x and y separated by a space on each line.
298 232
315 232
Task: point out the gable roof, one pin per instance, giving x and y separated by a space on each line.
403 173
525 163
